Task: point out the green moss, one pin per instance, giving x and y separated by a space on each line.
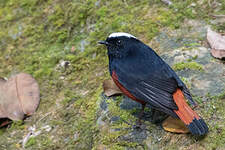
197 99
186 82
188 65
46 142
192 44
214 112
109 134
102 12
17 125
115 109
30 142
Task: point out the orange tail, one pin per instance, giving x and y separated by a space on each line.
195 124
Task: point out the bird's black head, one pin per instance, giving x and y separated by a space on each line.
120 44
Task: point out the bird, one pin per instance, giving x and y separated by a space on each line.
144 77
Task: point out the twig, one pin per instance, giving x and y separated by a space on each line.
44 116
218 16
209 3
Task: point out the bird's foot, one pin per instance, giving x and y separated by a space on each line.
155 116
139 125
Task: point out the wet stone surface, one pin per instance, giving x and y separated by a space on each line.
209 81
135 132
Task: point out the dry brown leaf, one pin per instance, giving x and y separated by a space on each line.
9 102
28 92
174 125
4 122
2 114
110 88
217 43
18 96
218 53
2 81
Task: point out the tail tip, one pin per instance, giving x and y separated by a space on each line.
198 127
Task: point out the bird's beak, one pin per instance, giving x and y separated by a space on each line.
103 42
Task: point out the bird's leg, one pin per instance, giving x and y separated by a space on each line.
157 116
154 115
141 114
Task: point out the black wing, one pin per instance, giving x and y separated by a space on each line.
157 92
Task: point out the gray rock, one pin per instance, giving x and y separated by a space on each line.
137 135
211 80
129 104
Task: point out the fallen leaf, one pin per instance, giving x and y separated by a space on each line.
2 114
174 125
218 53
28 93
4 122
110 88
217 43
18 96
2 82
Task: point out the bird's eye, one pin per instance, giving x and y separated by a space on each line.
118 42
